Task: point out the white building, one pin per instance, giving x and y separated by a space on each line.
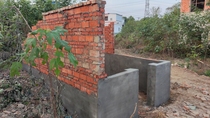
117 19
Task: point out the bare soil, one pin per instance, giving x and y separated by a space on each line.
190 94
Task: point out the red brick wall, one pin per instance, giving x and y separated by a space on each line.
109 38
85 25
206 7
185 6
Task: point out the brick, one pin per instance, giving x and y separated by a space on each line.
96 39
83 89
77 25
85 9
79 51
64 70
94 8
70 72
76 74
83 77
95 67
76 79
89 38
70 25
86 65
70 82
82 38
94 53
77 10
77 86
89 92
102 65
91 80
75 38
85 24
94 23
34 27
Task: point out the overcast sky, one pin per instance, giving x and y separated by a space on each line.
136 8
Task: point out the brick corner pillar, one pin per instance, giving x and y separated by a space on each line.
206 6
109 38
185 6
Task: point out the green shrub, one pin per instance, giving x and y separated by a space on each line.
207 73
178 35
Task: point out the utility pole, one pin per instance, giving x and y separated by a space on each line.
146 12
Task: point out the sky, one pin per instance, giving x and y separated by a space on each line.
136 8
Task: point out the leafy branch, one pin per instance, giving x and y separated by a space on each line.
36 48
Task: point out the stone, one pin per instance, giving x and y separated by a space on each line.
4 116
21 106
192 107
176 114
7 112
205 92
195 113
17 113
203 99
186 108
35 111
206 115
13 111
208 112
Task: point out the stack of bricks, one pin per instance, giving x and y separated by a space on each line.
85 25
109 36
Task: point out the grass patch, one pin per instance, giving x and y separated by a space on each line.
207 73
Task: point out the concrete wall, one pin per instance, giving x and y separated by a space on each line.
118 63
154 75
118 95
74 100
158 83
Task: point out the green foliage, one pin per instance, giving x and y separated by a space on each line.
1 36
12 28
207 73
37 48
1 44
176 34
15 68
38 8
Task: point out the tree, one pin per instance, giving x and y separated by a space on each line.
63 3
155 11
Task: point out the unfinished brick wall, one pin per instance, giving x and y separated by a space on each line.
185 6
85 25
206 7
109 36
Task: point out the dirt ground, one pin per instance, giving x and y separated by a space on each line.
190 95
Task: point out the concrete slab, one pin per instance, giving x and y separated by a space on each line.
158 83
118 95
